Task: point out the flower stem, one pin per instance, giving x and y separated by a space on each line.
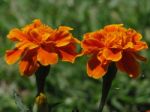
107 82
41 100
41 75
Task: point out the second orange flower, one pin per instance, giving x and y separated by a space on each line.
116 44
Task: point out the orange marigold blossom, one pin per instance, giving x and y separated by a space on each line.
113 43
38 44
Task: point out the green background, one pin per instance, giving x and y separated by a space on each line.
68 83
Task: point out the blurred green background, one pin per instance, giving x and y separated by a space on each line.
68 83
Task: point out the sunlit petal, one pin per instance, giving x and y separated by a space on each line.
95 69
46 58
13 55
112 54
16 35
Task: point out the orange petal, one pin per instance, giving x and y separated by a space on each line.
112 54
65 28
137 37
91 46
140 45
46 58
128 45
129 65
28 65
13 55
101 58
62 37
134 35
68 53
95 69
26 44
45 36
41 33
75 40
113 27
16 35
37 22
87 36
92 43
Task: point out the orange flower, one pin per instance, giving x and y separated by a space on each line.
39 44
114 43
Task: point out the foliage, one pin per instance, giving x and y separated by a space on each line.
68 83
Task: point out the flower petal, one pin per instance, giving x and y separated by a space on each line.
91 46
46 58
26 44
13 55
16 35
140 46
92 43
113 27
75 40
101 58
95 69
112 54
68 53
128 45
135 36
129 65
28 65
62 36
65 28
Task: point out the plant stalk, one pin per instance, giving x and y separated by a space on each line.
106 85
41 99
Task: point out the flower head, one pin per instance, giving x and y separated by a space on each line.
116 44
38 44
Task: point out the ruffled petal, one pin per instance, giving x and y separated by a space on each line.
113 27
95 69
65 28
13 55
93 39
112 54
140 46
28 65
135 36
36 23
128 45
16 35
102 59
26 44
68 53
129 65
62 36
75 40
46 58
91 46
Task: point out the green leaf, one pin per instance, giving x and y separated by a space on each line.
19 103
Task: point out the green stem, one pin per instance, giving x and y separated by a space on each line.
41 75
41 100
107 82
